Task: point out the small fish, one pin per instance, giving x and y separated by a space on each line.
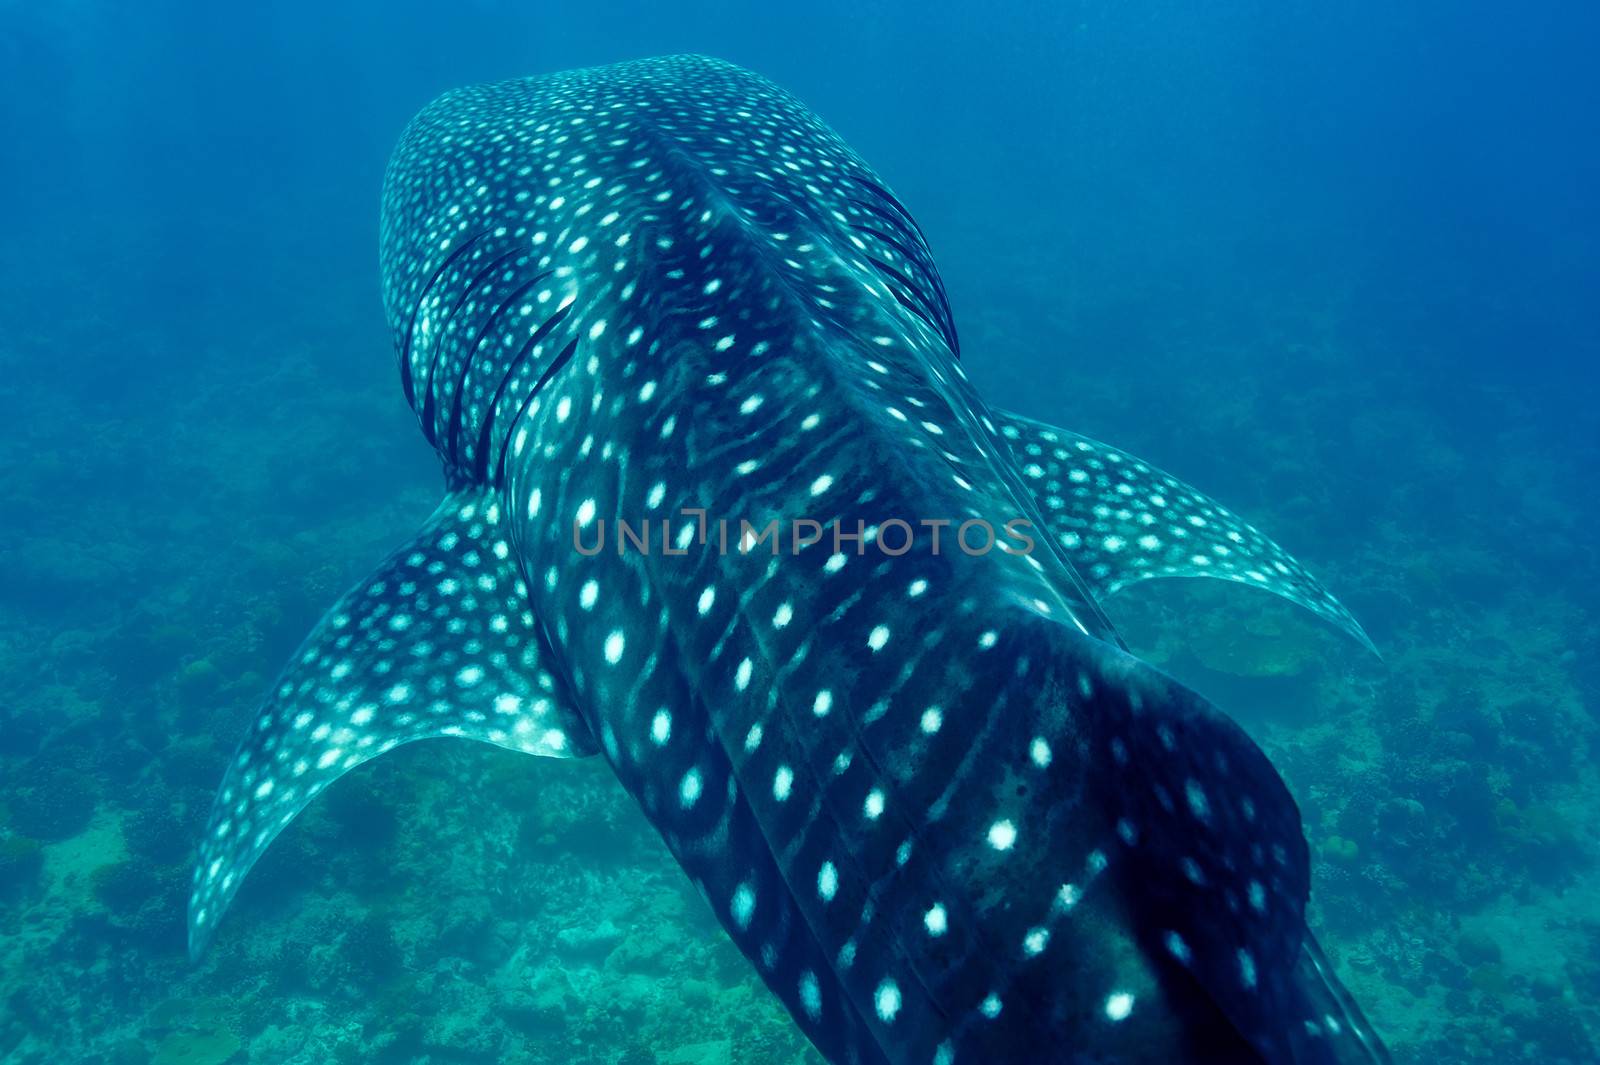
925 788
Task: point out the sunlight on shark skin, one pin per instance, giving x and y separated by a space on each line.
928 793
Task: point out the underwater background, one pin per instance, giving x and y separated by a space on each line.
1337 265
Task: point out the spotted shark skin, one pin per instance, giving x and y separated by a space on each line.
928 793
1121 521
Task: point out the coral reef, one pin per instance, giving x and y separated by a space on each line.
49 803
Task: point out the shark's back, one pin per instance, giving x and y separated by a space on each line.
948 817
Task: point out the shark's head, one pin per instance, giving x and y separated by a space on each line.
725 508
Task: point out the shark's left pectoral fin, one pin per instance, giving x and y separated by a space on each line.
438 641
1121 520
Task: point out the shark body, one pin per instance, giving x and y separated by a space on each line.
928 793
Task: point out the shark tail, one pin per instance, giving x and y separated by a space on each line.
436 642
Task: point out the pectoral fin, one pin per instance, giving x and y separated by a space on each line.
439 641
1122 520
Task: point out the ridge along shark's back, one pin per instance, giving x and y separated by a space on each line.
927 792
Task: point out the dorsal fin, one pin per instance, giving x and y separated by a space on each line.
437 641
1122 520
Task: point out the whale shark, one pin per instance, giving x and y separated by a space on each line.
722 508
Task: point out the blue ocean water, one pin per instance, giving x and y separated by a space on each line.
1335 264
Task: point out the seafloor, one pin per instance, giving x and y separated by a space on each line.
184 495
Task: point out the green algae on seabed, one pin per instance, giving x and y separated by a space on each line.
1259 646
214 1046
21 861
196 1032
1340 849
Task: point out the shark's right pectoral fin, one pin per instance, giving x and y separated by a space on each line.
439 641
1121 520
